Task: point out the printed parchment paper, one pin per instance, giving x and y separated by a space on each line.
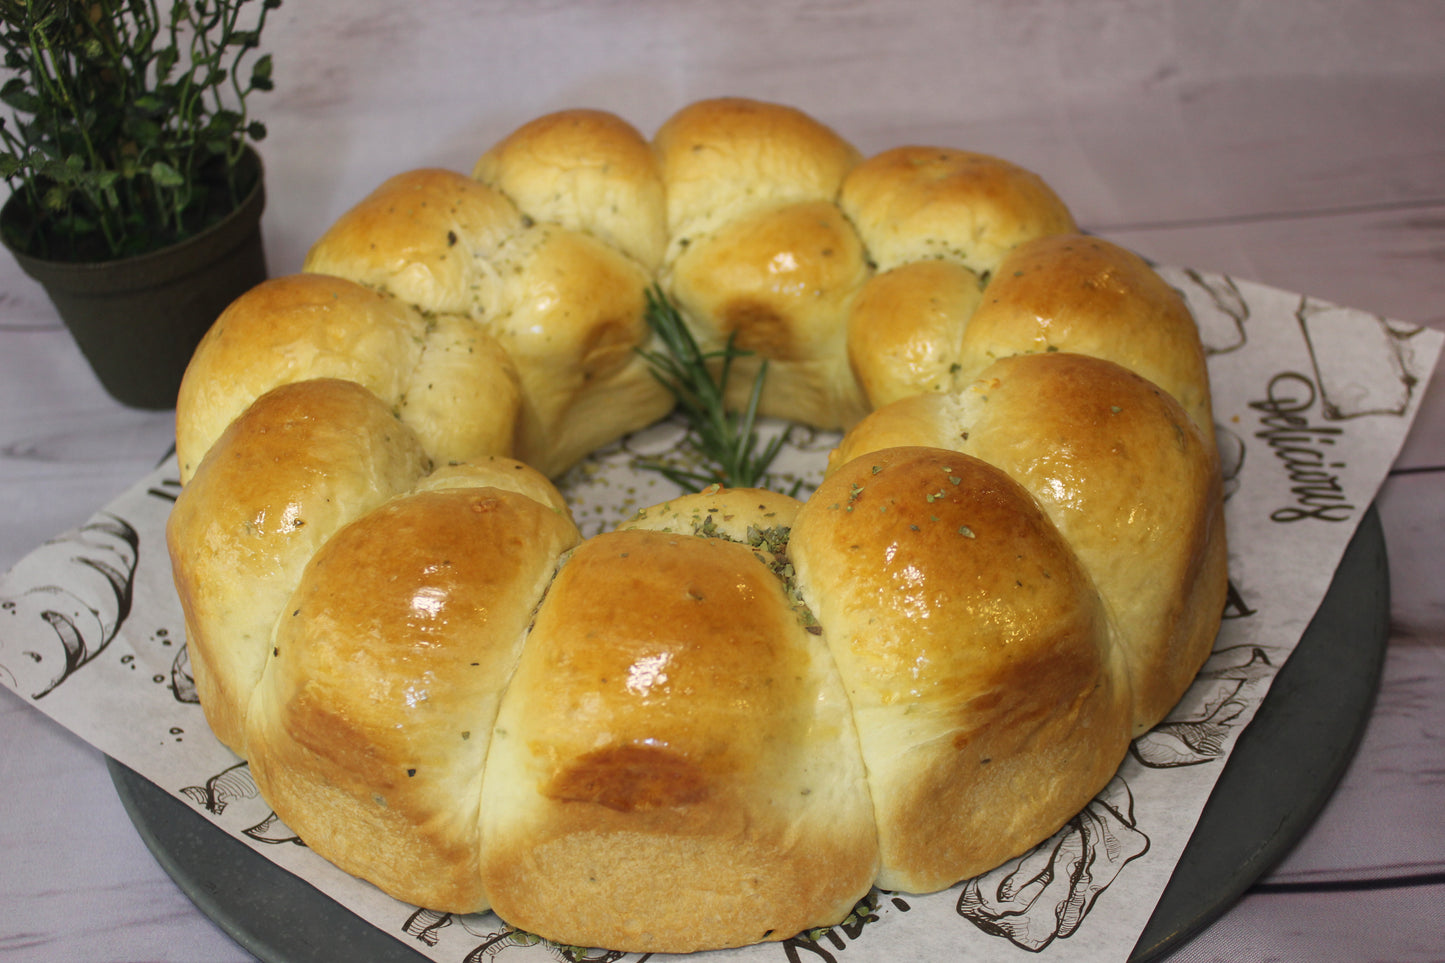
1312 403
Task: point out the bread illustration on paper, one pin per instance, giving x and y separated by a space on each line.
80 586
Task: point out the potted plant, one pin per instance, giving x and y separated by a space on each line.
136 191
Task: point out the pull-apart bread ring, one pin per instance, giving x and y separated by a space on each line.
727 719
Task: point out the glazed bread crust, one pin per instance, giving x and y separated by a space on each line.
928 203
730 717
371 724
301 462
750 817
1109 458
451 383
977 658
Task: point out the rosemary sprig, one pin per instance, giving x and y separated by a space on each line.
725 441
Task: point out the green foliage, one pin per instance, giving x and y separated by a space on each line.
128 121
725 442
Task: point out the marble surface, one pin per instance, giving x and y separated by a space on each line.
1299 145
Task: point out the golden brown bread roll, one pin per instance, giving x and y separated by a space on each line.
1110 458
905 333
371 723
729 157
564 306
452 384
928 203
695 753
761 223
727 719
418 236
254 514
571 316
588 171
976 654
780 280
1088 296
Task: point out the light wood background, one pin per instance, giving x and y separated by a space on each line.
1297 144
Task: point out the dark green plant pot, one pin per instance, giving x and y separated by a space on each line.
137 320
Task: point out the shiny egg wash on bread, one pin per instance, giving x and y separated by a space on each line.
729 718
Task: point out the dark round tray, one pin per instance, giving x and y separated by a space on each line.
1283 769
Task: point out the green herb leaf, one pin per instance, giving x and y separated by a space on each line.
129 95
726 441
165 175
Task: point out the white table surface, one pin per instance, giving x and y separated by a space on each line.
1300 145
